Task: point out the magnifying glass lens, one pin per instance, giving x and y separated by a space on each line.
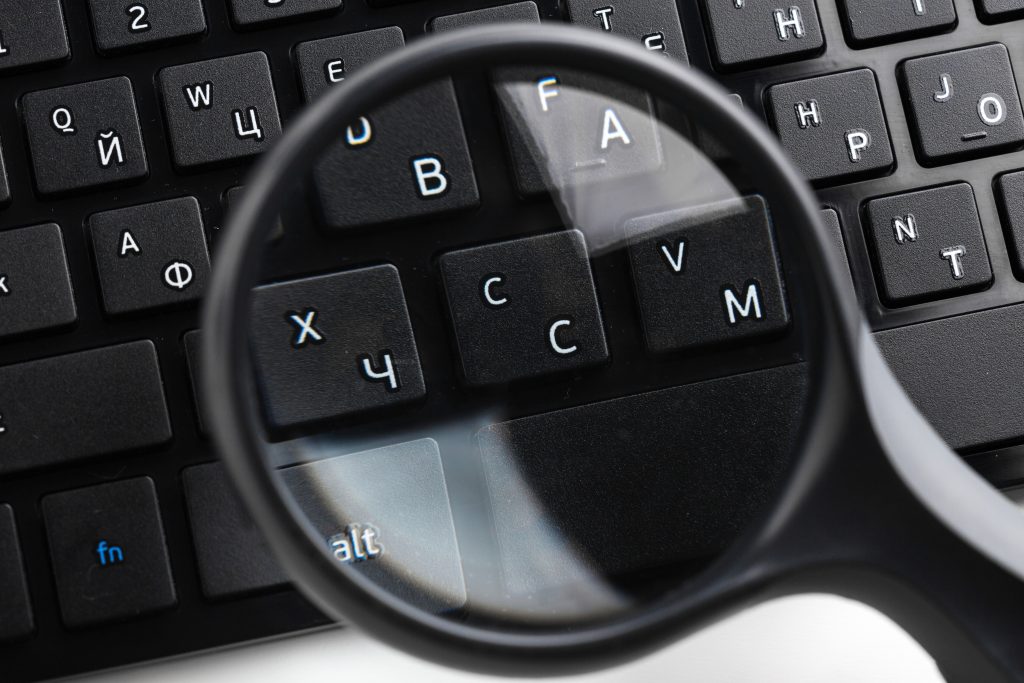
524 352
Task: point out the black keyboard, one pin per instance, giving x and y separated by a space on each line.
120 541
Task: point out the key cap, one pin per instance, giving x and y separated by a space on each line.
755 33
1010 191
249 12
1000 10
150 255
32 32
221 109
833 126
524 308
512 12
928 244
233 557
334 345
15 607
122 24
405 518
871 22
708 275
962 103
35 286
80 405
109 556
947 367
630 454
84 135
421 164
654 23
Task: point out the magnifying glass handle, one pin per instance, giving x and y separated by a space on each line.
893 518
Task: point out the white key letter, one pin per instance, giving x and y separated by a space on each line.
431 179
613 129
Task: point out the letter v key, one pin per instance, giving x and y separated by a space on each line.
675 255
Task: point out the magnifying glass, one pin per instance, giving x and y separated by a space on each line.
546 393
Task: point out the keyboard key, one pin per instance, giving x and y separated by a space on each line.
334 345
1010 191
252 12
420 164
15 608
513 12
964 373
108 551
150 255
870 22
81 405
221 109
32 32
754 33
404 521
630 455
962 103
84 135
833 126
233 557
1000 10
928 244
120 24
524 308
35 286
707 275
655 23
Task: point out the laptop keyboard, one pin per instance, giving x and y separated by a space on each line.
127 127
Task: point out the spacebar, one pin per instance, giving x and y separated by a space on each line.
81 405
966 374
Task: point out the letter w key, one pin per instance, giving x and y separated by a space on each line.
199 96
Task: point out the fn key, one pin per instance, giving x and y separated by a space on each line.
109 555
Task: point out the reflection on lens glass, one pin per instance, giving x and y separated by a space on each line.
535 393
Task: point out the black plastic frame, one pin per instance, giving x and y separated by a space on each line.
867 457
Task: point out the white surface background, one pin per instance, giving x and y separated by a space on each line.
804 639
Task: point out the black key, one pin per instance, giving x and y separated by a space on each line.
753 33
81 405
965 373
251 12
32 32
233 197
233 557
334 345
630 455
405 518
655 23
1010 190
109 556
15 608
524 308
513 12
962 103
833 126
84 135
928 244
706 276
35 287
221 109
871 22
150 255
421 164
121 24
1000 10
830 219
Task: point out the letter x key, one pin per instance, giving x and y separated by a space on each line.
306 333
4 291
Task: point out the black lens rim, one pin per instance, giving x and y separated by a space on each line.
226 380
